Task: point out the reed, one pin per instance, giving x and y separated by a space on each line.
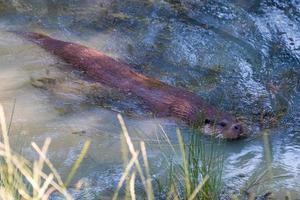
24 179
197 177
201 165
198 174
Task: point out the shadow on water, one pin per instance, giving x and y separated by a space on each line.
241 56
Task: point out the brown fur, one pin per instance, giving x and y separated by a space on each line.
165 100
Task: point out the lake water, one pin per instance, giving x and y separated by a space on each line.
241 56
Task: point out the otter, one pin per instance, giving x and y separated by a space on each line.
164 100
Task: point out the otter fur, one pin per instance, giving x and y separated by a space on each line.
164 100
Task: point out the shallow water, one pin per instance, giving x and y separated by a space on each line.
241 56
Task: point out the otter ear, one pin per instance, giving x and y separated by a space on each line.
222 124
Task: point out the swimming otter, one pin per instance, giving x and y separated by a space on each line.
164 100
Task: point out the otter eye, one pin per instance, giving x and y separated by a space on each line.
223 124
207 121
237 127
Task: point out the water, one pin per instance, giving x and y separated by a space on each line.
241 56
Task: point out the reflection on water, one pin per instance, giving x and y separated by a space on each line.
242 56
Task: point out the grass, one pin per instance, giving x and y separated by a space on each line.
263 175
198 176
31 180
205 160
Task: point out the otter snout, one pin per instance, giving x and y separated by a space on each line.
227 129
235 131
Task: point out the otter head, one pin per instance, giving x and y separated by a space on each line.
224 126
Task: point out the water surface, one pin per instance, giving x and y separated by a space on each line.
241 56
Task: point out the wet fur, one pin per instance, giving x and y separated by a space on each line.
165 100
